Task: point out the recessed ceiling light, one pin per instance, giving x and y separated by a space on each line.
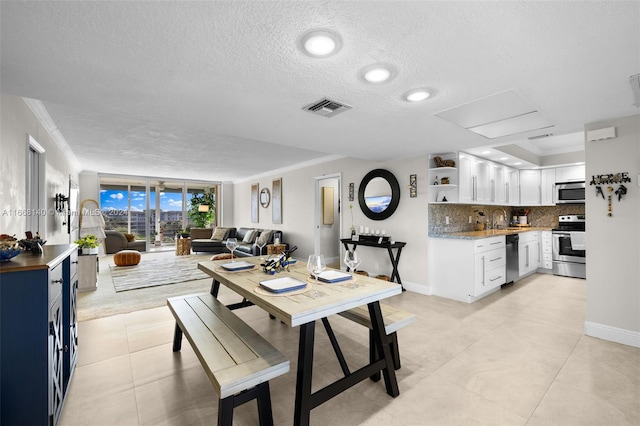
517 164
320 43
417 95
504 158
378 73
486 152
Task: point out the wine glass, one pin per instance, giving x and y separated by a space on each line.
232 243
261 243
352 260
315 265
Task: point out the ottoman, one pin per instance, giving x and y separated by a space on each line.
126 258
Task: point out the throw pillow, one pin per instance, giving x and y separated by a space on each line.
249 236
130 237
264 237
218 234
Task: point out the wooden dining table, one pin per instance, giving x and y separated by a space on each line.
303 310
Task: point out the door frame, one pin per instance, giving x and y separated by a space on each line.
317 209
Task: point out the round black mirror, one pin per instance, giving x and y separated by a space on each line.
379 194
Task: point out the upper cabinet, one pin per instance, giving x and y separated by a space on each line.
570 174
466 179
548 187
529 187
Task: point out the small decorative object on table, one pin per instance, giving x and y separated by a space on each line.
278 263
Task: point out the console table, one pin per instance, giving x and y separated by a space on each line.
395 258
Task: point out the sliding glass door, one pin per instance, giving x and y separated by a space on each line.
150 209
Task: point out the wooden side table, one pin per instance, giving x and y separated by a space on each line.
275 248
183 246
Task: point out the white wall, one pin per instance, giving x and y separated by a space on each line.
17 122
408 223
613 253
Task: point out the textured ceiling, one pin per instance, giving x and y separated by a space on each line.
214 90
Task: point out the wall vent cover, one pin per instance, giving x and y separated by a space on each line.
326 107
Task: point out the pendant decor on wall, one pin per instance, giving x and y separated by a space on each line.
609 180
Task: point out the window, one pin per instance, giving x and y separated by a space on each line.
35 199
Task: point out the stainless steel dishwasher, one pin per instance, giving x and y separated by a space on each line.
513 271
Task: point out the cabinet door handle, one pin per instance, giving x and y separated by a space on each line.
496 278
60 281
497 242
75 262
483 271
497 258
527 256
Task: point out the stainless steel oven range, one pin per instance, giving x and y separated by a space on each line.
569 246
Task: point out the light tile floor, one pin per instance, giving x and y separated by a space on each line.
516 357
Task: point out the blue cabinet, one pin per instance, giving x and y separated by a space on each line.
37 309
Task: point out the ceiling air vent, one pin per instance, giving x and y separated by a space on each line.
326 107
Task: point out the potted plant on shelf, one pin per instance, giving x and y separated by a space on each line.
88 244
202 209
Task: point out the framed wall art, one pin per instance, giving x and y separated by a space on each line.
276 200
254 203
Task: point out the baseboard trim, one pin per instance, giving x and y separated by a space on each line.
613 334
418 288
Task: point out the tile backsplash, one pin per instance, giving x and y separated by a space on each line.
546 216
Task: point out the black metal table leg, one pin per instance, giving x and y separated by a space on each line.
395 275
303 406
384 349
215 287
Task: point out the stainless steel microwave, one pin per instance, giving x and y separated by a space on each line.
570 193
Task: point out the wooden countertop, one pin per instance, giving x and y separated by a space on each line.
475 235
51 256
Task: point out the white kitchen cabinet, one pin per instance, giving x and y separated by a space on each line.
497 183
528 252
473 180
529 187
548 187
512 183
546 260
570 173
466 270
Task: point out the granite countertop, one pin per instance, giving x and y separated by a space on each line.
475 235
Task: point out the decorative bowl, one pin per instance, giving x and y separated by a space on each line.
9 253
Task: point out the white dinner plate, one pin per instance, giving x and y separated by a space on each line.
333 276
237 266
281 285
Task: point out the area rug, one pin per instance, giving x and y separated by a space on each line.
152 272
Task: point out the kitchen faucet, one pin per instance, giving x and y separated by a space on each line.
494 224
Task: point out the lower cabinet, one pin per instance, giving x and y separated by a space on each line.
528 252
466 270
37 328
546 246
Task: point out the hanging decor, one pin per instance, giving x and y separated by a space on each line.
609 180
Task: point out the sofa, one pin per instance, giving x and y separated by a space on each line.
115 241
201 240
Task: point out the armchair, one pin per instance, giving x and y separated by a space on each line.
115 241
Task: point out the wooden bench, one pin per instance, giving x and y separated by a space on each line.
394 319
238 361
